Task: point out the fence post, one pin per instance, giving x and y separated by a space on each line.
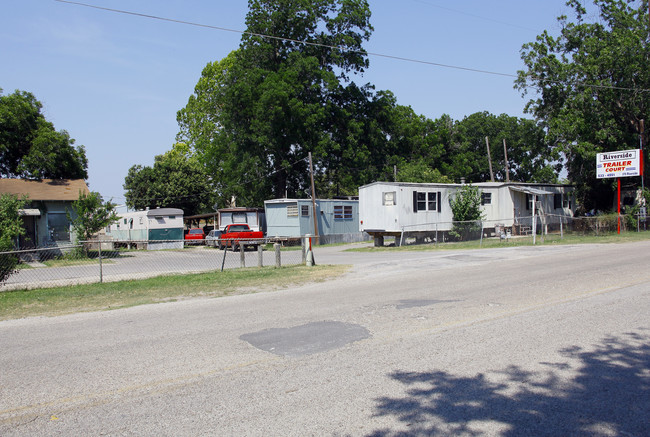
223 260
101 270
260 255
278 261
436 234
242 255
561 228
481 242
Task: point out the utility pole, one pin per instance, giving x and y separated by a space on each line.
487 144
313 197
505 155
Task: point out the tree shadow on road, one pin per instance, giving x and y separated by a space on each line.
603 391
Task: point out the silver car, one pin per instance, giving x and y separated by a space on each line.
213 237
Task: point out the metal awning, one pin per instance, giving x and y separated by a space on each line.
531 190
30 212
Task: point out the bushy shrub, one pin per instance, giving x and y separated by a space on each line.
466 208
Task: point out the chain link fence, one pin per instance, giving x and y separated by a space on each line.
552 225
104 261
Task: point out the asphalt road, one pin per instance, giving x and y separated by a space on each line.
515 341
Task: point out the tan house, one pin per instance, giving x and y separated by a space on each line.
45 215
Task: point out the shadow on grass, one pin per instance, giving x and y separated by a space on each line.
608 394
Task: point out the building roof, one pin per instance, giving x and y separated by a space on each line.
164 211
477 184
46 189
283 200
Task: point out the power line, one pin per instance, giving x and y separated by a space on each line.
343 49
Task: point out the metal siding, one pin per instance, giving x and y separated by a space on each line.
166 234
277 222
505 202
371 210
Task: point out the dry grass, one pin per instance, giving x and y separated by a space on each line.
122 294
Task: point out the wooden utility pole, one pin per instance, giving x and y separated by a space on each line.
487 144
505 155
313 196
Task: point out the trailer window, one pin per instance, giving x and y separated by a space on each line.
422 201
292 210
486 198
388 198
239 217
432 204
426 201
342 212
304 210
58 226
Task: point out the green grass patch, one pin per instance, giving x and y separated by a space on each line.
122 294
490 243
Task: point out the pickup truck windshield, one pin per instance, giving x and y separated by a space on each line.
238 228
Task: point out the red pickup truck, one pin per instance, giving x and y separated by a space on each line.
238 235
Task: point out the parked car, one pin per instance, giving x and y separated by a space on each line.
213 237
195 235
237 235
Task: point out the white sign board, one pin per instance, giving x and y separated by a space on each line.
618 164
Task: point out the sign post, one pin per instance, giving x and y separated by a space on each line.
619 164
618 182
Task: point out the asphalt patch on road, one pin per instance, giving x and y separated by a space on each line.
469 258
416 303
306 339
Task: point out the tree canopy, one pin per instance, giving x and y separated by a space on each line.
271 101
530 158
592 88
176 180
256 114
30 147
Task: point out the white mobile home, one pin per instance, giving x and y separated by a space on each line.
153 229
255 218
395 208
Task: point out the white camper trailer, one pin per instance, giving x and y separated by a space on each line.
255 218
152 229
423 210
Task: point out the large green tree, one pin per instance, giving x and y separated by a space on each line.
30 147
591 87
176 180
272 101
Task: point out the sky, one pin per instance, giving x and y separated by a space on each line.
115 81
